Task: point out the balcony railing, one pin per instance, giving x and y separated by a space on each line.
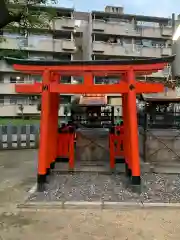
118 49
7 88
64 24
115 27
130 29
44 45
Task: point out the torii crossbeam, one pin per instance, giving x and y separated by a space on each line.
51 87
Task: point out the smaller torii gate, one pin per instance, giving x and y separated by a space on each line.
51 87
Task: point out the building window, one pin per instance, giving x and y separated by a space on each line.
1 100
107 80
65 79
12 79
37 78
65 99
13 100
78 80
16 79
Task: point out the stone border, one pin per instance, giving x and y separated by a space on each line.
30 192
89 204
95 205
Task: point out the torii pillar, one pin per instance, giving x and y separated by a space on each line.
132 162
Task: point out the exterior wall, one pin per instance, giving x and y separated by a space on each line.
176 50
87 43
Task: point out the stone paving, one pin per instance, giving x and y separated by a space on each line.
114 188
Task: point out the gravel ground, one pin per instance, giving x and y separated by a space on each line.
99 187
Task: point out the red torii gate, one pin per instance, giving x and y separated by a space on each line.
51 87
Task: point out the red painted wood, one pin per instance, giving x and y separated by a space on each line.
28 88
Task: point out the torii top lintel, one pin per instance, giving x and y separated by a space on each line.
105 66
88 69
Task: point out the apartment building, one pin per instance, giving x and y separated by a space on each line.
111 34
117 35
58 43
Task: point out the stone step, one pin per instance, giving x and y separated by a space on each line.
171 168
99 167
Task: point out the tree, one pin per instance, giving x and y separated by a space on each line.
66 111
39 107
24 17
75 108
21 108
26 13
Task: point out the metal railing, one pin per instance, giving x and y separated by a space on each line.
159 136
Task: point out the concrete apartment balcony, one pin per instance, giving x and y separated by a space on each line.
151 32
28 109
64 24
38 45
5 67
14 110
167 31
128 29
155 52
129 50
113 49
32 109
150 52
156 32
167 51
64 45
10 43
44 45
7 110
115 28
56 45
7 88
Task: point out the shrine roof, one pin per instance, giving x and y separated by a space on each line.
32 62
93 100
170 96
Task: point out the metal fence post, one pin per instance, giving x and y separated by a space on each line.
145 133
18 137
1 138
28 134
9 136
37 130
